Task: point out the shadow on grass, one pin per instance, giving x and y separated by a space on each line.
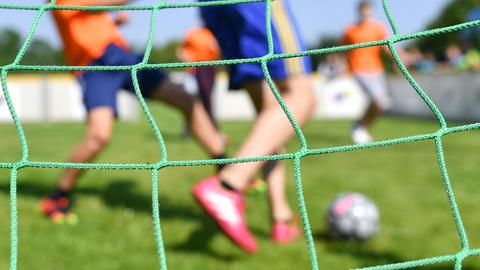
119 193
371 257
199 241
357 249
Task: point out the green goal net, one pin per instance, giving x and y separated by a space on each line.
465 250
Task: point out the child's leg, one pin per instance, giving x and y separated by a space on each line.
284 223
371 114
196 116
271 128
276 178
223 199
205 77
375 87
273 171
98 134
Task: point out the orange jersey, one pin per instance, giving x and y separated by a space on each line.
365 60
86 35
200 45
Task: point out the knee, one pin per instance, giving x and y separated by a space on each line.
184 103
97 141
378 105
187 104
189 107
383 104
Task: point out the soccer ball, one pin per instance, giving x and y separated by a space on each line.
353 216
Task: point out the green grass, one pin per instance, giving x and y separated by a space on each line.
116 231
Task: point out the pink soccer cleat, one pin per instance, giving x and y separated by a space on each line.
227 208
285 232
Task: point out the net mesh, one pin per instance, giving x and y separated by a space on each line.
465 250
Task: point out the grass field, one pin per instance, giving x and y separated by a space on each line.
115 231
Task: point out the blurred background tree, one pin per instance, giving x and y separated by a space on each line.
9 45
324 42
43 52
166 53
453 13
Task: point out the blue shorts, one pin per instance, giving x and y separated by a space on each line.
241 32
100 87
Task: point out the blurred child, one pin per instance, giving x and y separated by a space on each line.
200 45
93 39
366 66
241 32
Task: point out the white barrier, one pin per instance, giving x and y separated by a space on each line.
338 98
57 97
54 98
457 96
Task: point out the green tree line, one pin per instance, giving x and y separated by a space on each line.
42 52
453 13
39 52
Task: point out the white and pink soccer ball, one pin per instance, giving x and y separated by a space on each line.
353 216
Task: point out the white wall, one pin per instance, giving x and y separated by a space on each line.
339 98
457 95
54 98
57 97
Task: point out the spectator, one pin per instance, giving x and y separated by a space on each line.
454 57
427 64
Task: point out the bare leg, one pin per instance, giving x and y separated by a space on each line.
206 79
372 113
196 116
99 131
274 171
271 129
100 125
276 178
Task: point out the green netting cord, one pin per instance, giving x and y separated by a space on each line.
464 251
